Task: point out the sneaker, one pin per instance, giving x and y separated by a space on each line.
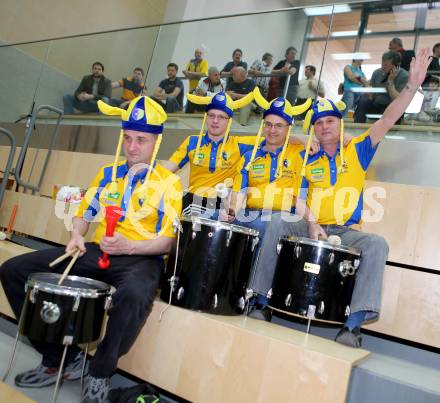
350 338
37 378
73 369
95 390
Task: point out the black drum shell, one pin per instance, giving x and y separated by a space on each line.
306 289
212 271
84 324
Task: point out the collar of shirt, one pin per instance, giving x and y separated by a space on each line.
264 152
207 140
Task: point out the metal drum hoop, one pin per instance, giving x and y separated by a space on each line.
322 244
218 225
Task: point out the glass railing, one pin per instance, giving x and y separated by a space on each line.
328 38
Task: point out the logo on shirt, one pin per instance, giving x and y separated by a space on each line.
317 175
225 155
257 167
137 113
113 195
201 156
286 163
317 171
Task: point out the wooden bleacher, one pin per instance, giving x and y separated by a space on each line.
205 357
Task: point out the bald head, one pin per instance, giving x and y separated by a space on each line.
239 74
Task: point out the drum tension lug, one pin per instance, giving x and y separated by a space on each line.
33 293
269 294
228 238
255 242
76 304
249 293
215 303
288 300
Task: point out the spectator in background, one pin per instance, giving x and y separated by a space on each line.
434 65
354 77
392 78
169 93
196 69
309 88
207 86
288 66
406 56
259 68
92 88
132 87
237 54
238 88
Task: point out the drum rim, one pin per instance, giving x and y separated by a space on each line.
220 225
33 280
322 244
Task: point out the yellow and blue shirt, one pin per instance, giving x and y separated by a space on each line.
265 191
149 211
208 172
201 67
338 198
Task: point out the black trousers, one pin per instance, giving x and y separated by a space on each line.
136 279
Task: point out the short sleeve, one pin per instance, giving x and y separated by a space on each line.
171 207
364 149
180 156
241 179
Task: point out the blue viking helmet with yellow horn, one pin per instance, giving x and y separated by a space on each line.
322 108
143 115
282 108
222 102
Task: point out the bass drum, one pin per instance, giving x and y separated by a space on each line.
314 279
213 267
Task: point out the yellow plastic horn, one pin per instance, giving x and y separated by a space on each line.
306 156
110 110
199 100
307 120
260 100
225 139
299 109
246 100
256 145
283 153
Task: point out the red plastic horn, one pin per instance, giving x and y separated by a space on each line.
112 216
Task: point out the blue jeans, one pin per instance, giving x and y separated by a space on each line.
71 103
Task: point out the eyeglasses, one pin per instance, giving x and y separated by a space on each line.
221 118
276 126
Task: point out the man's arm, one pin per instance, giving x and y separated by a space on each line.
116 84
175 92
170 165
119 245
159 93
394 111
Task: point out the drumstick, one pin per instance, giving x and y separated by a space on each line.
62 257
67 270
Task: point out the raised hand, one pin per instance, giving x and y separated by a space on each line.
418 67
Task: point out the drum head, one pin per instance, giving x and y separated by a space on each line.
83 286
219 225
321 244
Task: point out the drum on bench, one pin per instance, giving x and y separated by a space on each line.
314 279
213 266
70 313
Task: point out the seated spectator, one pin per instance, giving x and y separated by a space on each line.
431 94
434 66
354 77
390 77
406 56
169 93
237 54
132 87
288 66
309 88
196 69
259 68
92 88
207 86
238 88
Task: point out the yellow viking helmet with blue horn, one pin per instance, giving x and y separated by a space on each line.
220 101
282 108
143 115
321 108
